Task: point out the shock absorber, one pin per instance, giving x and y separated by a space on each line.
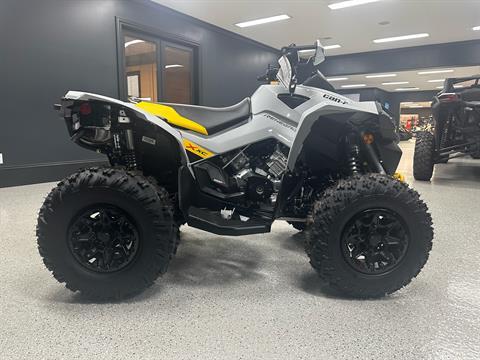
129 156
353 155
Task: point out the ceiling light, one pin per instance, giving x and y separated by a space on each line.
458 86
263 21
437 80
173 66
403 37
435 72
476 28
354 85
380 76
439 87
395 83
349 3
407 89
128 43
337 78
330 47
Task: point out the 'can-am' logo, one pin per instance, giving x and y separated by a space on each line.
333 98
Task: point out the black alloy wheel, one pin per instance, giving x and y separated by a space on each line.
375 241
103 239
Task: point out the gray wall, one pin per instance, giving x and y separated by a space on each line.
393 98
463 53
49 47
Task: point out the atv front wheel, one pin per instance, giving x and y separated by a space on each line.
370 237
107 233
423 157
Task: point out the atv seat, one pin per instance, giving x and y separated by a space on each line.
201 119
215 120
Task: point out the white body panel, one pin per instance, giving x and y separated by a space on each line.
271 118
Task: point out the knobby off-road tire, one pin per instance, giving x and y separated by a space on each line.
423 157
132 208
335 210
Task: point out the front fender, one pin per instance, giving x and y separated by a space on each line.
320 129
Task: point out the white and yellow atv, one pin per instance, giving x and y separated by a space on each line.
294 152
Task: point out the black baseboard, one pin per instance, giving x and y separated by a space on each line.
38 173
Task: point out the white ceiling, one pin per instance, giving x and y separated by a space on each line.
353 28
414 79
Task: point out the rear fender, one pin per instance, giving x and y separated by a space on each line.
159 124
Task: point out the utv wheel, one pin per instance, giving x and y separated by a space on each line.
423 157
107 233
370 237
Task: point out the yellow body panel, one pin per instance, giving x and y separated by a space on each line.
196 149
399 177
171 116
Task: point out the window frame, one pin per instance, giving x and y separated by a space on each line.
161 40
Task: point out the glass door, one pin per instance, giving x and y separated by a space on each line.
141 64
157 70
177 73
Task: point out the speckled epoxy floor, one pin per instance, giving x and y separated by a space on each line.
251 297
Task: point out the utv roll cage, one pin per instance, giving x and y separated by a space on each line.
448 85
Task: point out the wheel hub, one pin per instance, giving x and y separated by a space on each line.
374 241
103 238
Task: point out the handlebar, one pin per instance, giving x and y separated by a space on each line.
297 48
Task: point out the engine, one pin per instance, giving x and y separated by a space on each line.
251 175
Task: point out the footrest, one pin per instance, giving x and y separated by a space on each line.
213 222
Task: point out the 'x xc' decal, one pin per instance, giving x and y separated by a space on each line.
197 149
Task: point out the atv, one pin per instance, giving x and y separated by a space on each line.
404 134
294 152
456 128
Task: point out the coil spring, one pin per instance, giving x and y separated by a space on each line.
353 162
130 160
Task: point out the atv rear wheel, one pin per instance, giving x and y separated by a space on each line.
107 233
370 237
423 157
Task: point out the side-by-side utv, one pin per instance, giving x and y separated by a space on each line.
456 130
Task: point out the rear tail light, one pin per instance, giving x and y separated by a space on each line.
448 97
85 109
